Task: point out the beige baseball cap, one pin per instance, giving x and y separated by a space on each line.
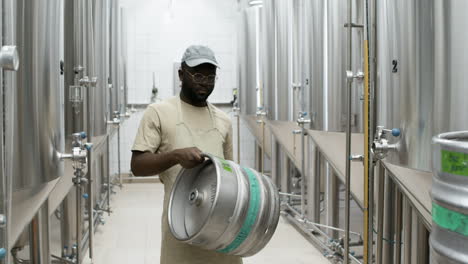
198 54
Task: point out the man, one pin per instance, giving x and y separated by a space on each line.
173 134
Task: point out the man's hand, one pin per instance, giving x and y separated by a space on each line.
188 157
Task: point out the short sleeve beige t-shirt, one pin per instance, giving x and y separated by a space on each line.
157 127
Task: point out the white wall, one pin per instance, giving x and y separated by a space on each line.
160 30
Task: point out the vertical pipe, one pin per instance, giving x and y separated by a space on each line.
407 232
388 232
313 183
238 137
423 245
348 138
109 186
79 222
398 225
303 171
118 155
39 236
332 201
380 211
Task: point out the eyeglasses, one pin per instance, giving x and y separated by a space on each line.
202 79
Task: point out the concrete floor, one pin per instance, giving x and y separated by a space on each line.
132 233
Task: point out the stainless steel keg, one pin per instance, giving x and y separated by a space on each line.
221 206
449 236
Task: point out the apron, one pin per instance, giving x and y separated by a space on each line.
209 141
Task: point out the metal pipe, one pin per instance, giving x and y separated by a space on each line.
331 200
290 194
39 236
118 156
398 224
330 227
407 231
238 135
109 186
313 189
371 31
348 139
388 232
79 221
422 244
303 171
380 211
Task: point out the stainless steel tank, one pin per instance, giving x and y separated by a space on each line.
405 81
102 45
220 206
115 49
312 59
449 235
451 66
334 114
124 61
267 57
284 59
34 107
249 60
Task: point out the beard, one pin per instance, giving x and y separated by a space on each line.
189 93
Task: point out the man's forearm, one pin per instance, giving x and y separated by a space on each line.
148 164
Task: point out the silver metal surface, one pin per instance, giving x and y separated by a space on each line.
451 66
40 237
450 193
101 45
405 82
335 113
115 49
9 58
33 112
249 70
312 60
209 204
268 58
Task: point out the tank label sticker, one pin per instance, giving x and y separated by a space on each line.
226 165
454 162
450 220
252 213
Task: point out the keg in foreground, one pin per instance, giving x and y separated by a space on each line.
221 206
449 236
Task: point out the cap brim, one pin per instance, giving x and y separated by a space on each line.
196 62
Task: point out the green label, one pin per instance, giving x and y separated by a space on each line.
454 162
226 165
451 220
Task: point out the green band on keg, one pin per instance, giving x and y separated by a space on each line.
454 162
451 220
252 213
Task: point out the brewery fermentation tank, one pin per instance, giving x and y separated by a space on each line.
312 60
405 81
221 206
334 91
249 63
115 60
34 129
451 66
101 45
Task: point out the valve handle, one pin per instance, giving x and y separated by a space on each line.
85 195
83 135
88 146
396 132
